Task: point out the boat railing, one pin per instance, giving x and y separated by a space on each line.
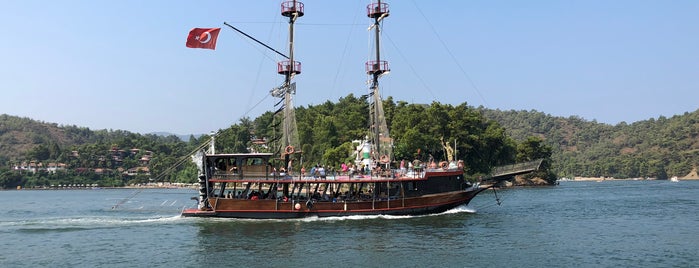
388 174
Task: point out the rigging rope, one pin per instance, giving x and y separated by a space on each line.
473 84
415 73
344 50
181 160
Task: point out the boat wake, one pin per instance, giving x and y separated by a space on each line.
461 209
48 225
457 210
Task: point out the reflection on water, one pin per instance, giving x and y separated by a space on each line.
615 223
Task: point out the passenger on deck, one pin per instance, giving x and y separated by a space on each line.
220 166
232 167
321 172
229 195
351 170
344 168
433 165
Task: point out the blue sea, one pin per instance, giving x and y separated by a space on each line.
575 224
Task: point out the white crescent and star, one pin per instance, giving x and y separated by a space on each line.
206 37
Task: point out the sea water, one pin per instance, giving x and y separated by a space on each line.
575 224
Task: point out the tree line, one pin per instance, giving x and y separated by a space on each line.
326 131
655 148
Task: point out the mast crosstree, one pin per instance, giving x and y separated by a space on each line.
289 68
382 143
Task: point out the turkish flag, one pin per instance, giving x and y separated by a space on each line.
203 38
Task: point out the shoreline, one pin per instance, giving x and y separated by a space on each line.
688 178
166 186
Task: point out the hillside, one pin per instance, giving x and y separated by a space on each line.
41 154
420 132
19 135
658 148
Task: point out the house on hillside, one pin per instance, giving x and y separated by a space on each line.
137 171
54 167
38 166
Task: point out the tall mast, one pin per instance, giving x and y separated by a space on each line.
289 68
381 141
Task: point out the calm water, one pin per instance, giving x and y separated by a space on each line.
580 224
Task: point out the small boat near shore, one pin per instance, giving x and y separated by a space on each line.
247 185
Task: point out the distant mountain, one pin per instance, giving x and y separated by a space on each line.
184 138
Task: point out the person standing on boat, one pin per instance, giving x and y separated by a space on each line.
344 168
402 167
321 172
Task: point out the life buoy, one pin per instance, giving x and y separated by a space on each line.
289 149
309 204
444 164
384 159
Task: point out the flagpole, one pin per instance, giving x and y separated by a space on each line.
253 39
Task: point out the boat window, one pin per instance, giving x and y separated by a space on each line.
256 161
232 165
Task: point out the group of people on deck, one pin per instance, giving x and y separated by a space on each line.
253 195
350 169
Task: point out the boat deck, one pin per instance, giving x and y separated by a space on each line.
286 178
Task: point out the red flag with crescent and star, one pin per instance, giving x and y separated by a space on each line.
203 38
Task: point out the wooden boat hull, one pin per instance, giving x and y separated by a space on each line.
275 209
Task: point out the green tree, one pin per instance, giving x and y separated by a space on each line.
533 148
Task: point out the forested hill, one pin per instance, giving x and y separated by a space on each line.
658 148
85 156
22 138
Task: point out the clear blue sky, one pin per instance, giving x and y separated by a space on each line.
124 64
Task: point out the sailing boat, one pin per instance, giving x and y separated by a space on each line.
246 185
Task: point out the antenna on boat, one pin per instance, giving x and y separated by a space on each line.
379 136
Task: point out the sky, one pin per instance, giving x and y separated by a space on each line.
124 65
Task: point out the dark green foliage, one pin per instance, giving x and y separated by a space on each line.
326 132
534 148
100 156
656 148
